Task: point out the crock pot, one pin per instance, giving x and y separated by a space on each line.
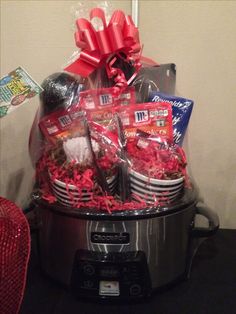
126 254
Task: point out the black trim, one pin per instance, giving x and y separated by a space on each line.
152 189
156 185
64 192
58 186
187 198
149 196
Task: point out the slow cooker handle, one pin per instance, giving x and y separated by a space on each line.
213 219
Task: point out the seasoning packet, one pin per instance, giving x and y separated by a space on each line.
100 104
105 97
152 118
63 123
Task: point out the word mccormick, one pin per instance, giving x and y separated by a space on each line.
152 118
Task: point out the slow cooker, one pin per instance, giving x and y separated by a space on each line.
125 254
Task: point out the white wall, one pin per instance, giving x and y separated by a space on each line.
199 36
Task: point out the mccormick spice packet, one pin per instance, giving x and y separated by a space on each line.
62 123
181 112
100 104
152 118
104 97
16 88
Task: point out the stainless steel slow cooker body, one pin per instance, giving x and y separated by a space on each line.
163 234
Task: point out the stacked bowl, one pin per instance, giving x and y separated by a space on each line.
70 195
152 190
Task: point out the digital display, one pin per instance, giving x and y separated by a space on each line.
109 271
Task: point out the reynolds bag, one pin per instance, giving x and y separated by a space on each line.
181 112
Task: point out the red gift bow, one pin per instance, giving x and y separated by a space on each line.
99 47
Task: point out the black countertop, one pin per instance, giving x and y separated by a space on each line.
211 288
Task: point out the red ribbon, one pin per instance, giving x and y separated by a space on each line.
101 47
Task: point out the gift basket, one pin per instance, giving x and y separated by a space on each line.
93 126
112 188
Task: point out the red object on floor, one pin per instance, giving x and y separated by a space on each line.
14 256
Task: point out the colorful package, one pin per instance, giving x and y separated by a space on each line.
16 88
181 112
152 118
105 97
62 123
100 104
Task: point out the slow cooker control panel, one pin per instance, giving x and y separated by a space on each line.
110 275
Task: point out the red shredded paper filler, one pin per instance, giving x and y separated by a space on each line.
14 256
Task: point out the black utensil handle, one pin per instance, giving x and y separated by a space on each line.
213 220
124 185
101 176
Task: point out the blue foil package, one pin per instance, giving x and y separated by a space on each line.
181 112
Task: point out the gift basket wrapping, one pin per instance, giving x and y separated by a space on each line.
98 119
112 188
14 256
